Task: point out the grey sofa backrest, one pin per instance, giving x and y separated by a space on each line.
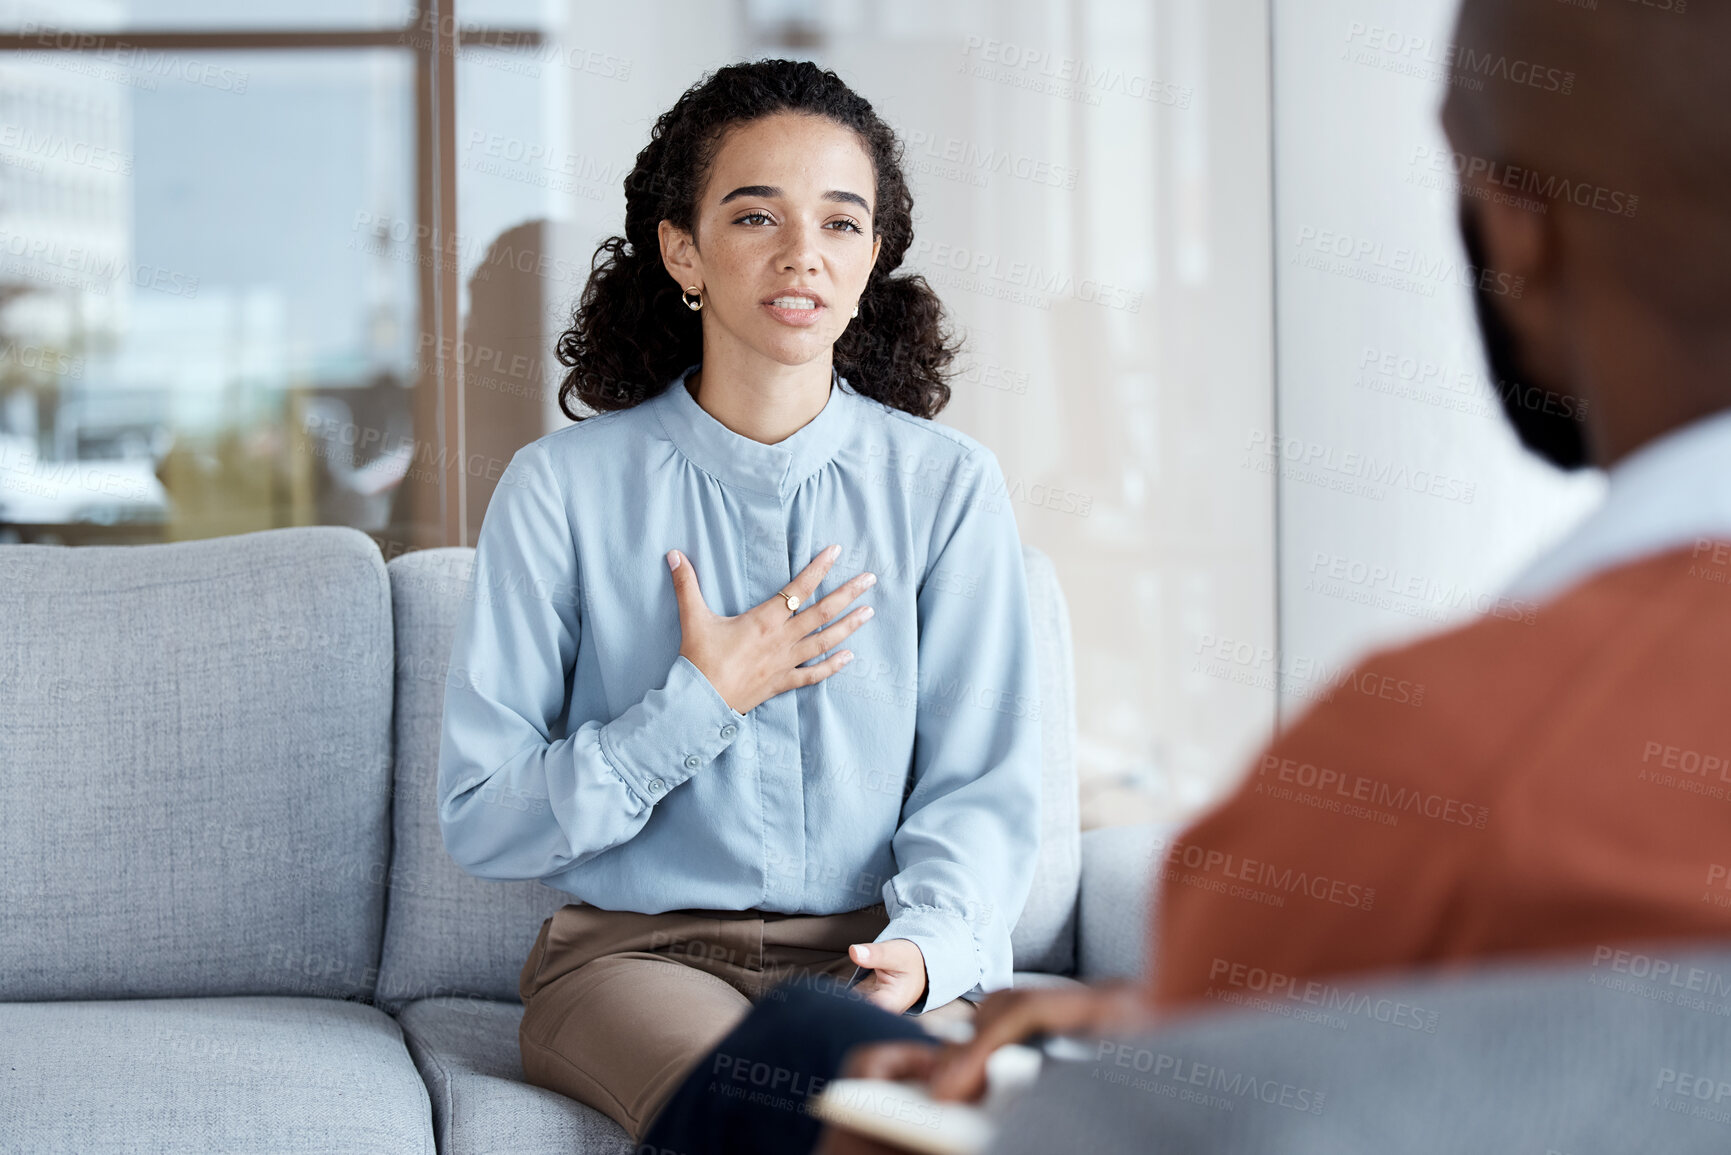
450 934
195 762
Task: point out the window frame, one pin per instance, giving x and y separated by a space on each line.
434 37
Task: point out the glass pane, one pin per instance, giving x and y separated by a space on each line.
508 13
209 298
521 267
141 15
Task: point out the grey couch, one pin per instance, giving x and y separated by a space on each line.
227 920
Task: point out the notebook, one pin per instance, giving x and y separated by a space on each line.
905 1115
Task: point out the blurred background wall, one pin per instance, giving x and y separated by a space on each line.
1405 501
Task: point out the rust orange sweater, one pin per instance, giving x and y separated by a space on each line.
1560 784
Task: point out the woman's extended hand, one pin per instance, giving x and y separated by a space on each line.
756 655
898 972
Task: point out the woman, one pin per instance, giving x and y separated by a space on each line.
694 758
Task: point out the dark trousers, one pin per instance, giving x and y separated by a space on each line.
749 1095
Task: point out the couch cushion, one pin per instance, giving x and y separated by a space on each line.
467 1052
449 933
466 1049
209 1075
1115 908
1042 980
195 759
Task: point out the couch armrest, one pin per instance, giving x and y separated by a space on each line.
1115 904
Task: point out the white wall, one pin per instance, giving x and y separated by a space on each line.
1153 352
1378 355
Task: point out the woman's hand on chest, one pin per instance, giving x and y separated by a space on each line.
751 657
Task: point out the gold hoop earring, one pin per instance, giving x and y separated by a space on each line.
694 306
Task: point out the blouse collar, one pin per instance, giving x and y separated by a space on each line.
740 461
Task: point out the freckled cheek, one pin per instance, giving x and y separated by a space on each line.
739 260
734 278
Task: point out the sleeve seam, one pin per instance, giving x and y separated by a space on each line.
570 530
973 936
924 906
608 757
975 471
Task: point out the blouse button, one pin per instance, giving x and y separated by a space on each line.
729 730
693 762
656 786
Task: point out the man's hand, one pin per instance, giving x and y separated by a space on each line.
1010 1016
898 973
952 1071
894 1061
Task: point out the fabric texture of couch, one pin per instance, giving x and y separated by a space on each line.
230 923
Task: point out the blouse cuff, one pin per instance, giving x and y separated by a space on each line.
671 734
947 942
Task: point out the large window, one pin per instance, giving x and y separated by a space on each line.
225 269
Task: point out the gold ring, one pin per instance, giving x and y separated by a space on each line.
792 601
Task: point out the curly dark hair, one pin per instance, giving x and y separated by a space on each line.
631 334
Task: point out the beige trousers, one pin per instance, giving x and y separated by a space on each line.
619 1006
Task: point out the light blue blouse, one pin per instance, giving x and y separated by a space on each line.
580 748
